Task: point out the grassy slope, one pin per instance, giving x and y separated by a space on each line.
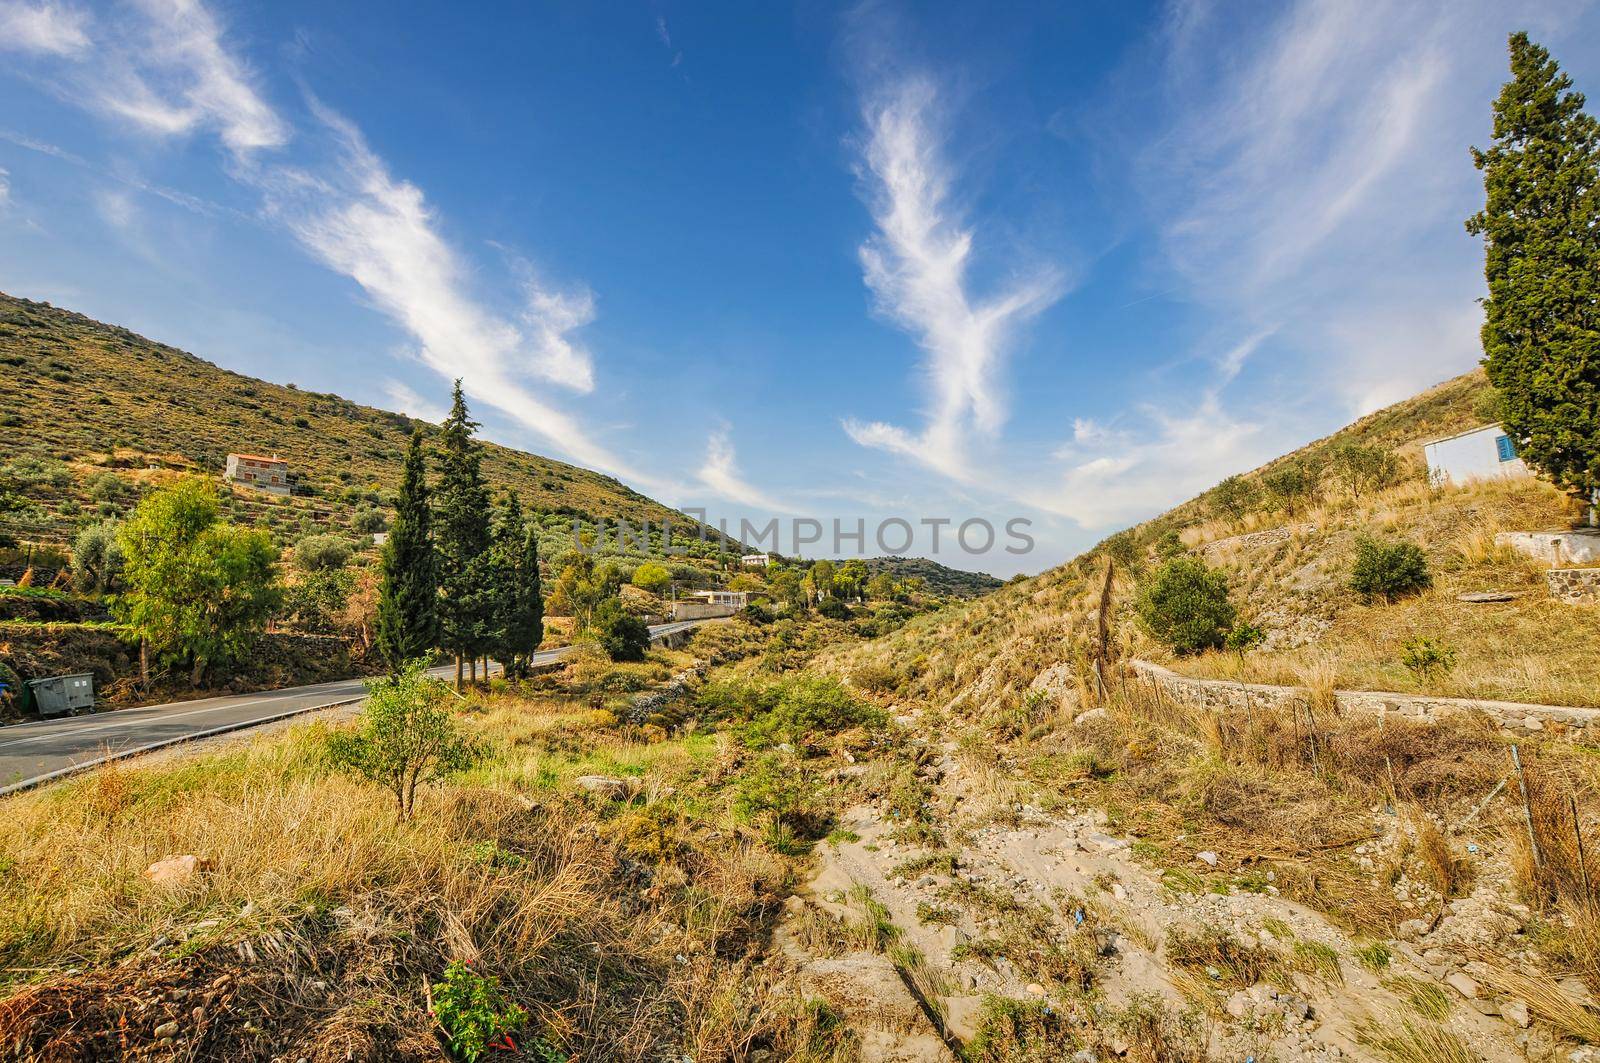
984 655
79 390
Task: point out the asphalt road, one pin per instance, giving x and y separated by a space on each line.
33 753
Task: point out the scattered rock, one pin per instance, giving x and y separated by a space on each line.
1462 983
1207 857
1239 1005
167 1031
1515 1012
1036 989
1482 597
604 785
176 870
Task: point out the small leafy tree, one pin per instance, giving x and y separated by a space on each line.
1289 486
198 589
1388 570
624 637
321 553
1235 497
407 736
1363 469
1425 657
1185 605
652 576
474 1013
1244 637
97 559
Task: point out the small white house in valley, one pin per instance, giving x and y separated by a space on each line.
262 473
756 560
1480 454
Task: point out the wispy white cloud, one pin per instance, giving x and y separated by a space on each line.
171 72
379 231
917 264
721 476
116 208
5 188
408 402
47 28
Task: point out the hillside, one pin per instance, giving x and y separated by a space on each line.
1304 876
83 398
939 579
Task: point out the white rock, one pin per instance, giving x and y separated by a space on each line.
1462 983
175 870
1515 1012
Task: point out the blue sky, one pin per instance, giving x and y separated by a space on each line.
1070 263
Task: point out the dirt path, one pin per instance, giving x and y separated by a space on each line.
1011 901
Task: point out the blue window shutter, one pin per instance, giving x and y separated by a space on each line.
1504 445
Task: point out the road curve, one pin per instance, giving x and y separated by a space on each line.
35 753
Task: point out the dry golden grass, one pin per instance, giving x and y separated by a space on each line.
1403 1039
619 943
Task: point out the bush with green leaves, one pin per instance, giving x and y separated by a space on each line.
834 609
1388 570
1234 497
652 577
1185 605
1244 637
368 520
1364 469
1289 486
1426 657
789 709
407 736
322 553
97 559
623 636
474 1013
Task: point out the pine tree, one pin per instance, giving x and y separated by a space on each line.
461 534
519 605
408 601
1541 230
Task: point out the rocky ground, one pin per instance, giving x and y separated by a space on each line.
909 929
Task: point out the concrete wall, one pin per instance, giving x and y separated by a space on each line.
700 611
1580 546
1515 716
1473 455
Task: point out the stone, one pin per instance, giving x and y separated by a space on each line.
1239 1004
176 870
167 1030
1411 929
1207 857
1515 1012
604 785
1483 597
1462 983
1036 989
1105 941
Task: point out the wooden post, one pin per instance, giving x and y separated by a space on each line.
1577 832
1527 807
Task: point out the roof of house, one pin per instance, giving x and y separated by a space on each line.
260 457
1468 432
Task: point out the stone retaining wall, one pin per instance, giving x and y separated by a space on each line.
1515 716
1575 586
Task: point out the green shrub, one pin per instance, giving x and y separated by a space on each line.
652 577
321 553
474 1013
368 520
97 559
1185 605
407 737
789 709
622 636
1425 657
1243 637
833 609
1364 469
1234 497
1388 570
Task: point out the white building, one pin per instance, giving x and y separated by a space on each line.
1481 454
756 560
735 599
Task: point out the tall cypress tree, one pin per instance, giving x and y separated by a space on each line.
1541 230
519 605
408 616
461 533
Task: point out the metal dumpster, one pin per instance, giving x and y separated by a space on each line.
60 695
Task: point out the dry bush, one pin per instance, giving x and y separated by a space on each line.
1402 1039
1548 1001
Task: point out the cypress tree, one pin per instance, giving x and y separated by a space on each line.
462 511
1541 331
519 604
408 616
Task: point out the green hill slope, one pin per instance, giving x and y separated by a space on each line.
1287 555
82 398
